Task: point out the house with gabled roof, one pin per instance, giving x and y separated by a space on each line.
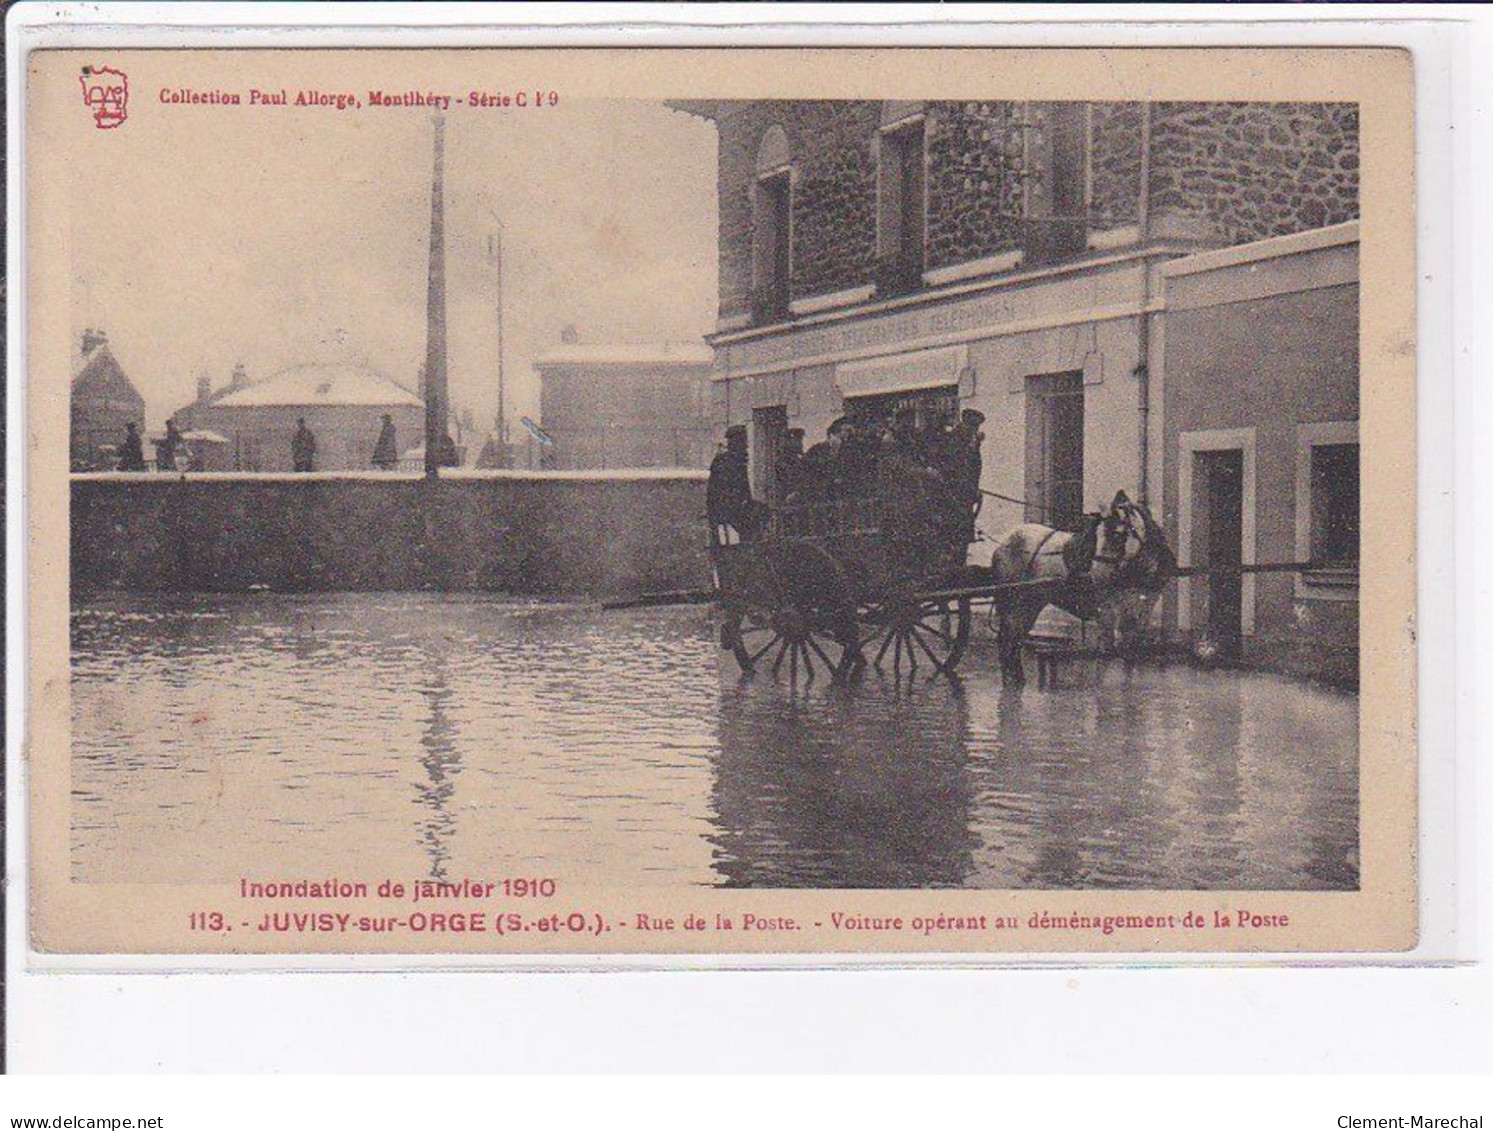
103 402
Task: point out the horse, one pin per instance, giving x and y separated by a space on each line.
1116 563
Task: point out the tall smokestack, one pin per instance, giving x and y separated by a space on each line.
435 313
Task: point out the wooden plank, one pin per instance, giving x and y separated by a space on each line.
997 589
1259 567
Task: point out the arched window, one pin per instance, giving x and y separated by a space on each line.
901 213
772 227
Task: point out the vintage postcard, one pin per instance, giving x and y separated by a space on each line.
763 503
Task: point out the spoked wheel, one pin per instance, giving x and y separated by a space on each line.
915 635
795 619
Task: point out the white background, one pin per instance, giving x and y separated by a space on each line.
1113 1019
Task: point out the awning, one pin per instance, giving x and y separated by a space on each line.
902 372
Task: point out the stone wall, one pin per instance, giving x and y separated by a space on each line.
552 535
1244 171
974 204
834 195
1220 173
1114 164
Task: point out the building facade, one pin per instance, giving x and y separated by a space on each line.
103 401
1006 256
625 406
343 405
1260 416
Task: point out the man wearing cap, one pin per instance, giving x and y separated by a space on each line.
728 494
968 465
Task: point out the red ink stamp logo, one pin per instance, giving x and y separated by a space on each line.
106 92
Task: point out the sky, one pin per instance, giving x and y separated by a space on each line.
276 244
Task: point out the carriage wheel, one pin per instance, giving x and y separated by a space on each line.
795 617
916 635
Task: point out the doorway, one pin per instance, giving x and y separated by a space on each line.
1218 535
770 431
1054 449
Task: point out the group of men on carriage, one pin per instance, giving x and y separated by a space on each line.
924 472
921 475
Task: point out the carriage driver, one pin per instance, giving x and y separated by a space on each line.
966 464
728 494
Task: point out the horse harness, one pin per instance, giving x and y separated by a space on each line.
1037 553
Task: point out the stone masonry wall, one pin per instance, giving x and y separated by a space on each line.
834 196
547 535
1233 172
736 155
1254 170
974 203
1114 164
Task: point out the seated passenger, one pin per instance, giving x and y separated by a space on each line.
914 501
790 465
859 453
823 475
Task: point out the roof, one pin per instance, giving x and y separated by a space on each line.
322 385
713 109
203 436
629 353
99 375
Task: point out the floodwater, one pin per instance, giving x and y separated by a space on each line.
279 737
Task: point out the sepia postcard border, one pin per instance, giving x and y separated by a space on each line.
1380 917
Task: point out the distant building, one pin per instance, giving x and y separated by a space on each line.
624 405
103 402
343 405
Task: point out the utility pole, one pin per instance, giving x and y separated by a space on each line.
435 314
495 253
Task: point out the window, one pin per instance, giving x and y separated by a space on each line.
1054 449
1334 505
1327 522
1057 208
901 209
774 212
933 407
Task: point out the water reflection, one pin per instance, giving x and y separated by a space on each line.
427 735
863 787
442 765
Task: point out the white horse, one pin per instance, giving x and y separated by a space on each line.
1114 566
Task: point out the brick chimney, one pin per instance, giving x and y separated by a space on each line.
569 336
92 339
204 388
238 378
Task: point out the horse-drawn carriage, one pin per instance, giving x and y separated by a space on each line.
829 588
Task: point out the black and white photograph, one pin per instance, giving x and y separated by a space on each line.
545 503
